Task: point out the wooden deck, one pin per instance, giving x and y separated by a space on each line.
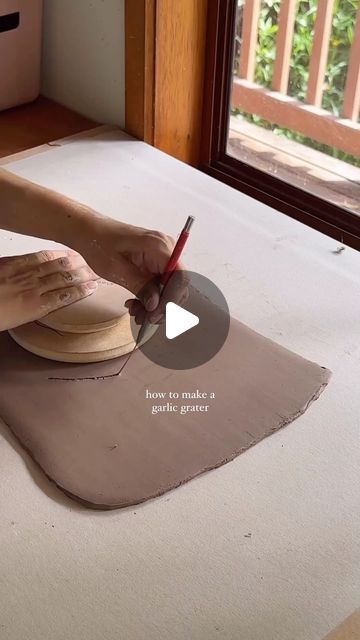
331 179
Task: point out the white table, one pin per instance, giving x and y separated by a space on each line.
180 567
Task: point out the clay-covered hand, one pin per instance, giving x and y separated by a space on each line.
33 285
134 258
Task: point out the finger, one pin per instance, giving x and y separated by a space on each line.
65 279
137 311
22 263
175 291
133 306
140 316
53 300
63 264
67 271
150 295
16 264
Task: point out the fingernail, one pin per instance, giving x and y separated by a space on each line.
92 285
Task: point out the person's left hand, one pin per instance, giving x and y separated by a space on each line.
132 257
33 285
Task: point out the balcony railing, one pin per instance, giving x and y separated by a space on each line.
275 105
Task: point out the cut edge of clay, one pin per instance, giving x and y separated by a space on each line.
74 358
73 328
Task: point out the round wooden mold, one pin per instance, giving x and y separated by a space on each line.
93 332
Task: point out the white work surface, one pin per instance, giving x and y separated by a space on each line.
181 567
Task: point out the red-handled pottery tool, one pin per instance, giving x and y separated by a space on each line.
170 268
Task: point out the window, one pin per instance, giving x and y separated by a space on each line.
281 119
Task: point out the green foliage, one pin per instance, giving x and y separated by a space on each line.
341 39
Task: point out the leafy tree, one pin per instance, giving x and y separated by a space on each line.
342 35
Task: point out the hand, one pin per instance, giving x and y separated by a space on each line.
133 257
33 285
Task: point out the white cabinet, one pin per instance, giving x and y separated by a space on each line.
20 51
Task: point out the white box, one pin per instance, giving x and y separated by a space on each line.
20 51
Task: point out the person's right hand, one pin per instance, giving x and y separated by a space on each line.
33 285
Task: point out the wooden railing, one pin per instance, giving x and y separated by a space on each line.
274 104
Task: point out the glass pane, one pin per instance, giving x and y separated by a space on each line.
296 94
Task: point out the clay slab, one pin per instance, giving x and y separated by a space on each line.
348 630
102 443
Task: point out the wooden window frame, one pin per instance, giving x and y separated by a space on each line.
164 74
326 217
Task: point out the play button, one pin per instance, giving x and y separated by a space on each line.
194 326
178 320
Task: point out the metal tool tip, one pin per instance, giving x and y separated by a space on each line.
189 223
